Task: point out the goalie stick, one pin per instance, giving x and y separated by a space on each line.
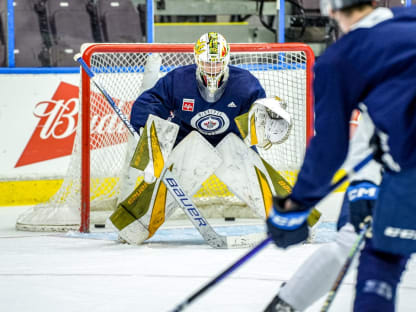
184 201
261 245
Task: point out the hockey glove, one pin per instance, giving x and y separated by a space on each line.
287 227
381 151
362 197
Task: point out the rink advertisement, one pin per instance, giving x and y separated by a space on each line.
54 134
38 118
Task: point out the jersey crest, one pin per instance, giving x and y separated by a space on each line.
210 122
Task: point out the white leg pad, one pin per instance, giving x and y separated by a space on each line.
194 160
238 173
317 274
135 233
130 175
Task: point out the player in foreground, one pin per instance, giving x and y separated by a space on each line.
317 274
186 121
364 67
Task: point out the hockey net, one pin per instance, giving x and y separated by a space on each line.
90 189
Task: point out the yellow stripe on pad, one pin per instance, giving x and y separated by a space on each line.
158 212
158 162
253 134
265 190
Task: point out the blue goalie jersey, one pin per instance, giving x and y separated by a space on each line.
176 97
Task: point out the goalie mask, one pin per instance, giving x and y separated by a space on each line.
212 55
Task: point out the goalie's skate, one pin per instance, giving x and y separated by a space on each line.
278 305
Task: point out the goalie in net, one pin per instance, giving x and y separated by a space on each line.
199 120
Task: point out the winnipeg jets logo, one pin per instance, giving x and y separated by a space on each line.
210 122
232 104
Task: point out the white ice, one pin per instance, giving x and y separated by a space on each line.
73 272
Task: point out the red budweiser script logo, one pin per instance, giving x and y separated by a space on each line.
188 105
54 135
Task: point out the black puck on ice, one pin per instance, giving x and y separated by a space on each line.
99 226
229 219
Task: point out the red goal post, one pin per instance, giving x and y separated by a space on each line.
99 157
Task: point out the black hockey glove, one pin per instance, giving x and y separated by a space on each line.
362 197
378 144
287 228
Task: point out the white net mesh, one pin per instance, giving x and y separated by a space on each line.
123 75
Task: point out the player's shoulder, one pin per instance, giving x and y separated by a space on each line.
235 70
404 12
331 57
183 70
239 74
369 36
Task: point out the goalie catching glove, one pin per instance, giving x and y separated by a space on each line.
266 123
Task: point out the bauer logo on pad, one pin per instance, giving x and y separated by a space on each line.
188 105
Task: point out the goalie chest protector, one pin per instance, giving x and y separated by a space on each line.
176 97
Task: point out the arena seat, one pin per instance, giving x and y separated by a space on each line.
30 50
70 23
120 21
395 3
3 52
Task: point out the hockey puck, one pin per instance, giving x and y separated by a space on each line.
99 226
229 219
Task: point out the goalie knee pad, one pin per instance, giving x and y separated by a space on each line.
244 173
378 276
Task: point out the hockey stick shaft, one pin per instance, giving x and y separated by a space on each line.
263 243
192 212
354 250
222 275
184 201
109 99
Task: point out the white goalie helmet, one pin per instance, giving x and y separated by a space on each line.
212 55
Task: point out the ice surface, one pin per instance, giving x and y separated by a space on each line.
93 272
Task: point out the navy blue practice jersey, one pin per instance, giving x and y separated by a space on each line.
176 97
373 64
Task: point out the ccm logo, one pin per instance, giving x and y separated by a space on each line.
186 202
288 222
363 193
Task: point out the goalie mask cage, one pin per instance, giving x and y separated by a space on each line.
90 189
